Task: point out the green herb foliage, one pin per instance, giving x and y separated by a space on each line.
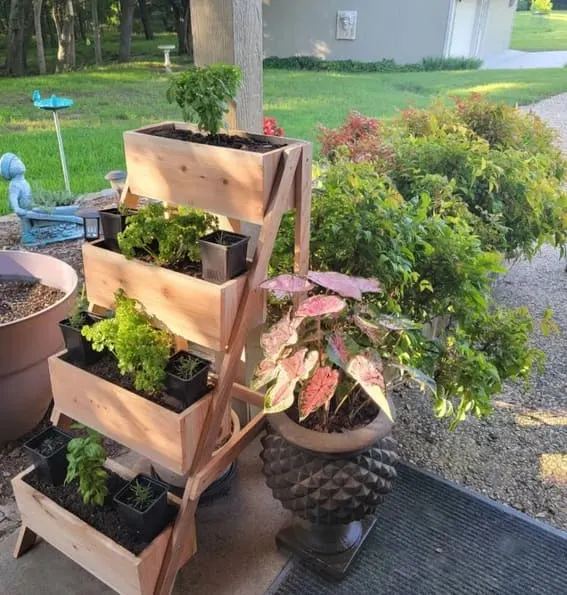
140 349
204 94
140 495
86 457
49 199
186 366
77 314
166 236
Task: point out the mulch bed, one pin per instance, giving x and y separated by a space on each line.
103 518
242 143
19 299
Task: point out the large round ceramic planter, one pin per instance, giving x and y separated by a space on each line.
331 482
25 344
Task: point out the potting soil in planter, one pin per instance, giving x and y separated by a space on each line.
103 518
19 299
107 368
243 143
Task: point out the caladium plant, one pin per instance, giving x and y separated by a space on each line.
330 349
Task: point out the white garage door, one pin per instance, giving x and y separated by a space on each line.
463 28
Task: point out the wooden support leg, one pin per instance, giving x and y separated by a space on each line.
26 540
60 419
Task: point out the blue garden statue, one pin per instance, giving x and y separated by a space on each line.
39 225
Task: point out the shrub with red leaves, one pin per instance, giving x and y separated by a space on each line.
271 127
358 139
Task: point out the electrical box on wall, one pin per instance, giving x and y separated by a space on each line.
346 24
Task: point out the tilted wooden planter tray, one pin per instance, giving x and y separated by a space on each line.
161 435
197 310
226 181
114 565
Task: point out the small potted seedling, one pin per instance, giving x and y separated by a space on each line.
114 221
48 451
143 505
186 377
223 255
71 328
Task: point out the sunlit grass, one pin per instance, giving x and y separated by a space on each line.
538 32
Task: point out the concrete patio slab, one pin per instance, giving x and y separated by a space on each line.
235 535
514 59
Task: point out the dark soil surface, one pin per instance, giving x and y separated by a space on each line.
103 518
19 299
51 444
220 140
107 368
223 238
363 408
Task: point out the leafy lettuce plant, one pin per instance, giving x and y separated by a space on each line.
139 348
166 236
331 349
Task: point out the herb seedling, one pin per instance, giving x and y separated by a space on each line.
86 457
139 348
204 94
186 367
141 496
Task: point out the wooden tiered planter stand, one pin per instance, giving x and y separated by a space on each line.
237 186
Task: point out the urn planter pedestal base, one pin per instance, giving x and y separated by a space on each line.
315 544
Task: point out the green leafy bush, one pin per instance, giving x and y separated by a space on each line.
541 6
139 348
387 65
204 94
86 456
167 236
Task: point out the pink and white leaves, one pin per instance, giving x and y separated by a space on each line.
288 373
344 285
282 285
321 305
280 335
318 392
367 370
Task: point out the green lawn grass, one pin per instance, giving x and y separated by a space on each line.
536 33
115 98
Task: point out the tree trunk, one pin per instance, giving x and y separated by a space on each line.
189 33
80 22
127 8
96 32
15 56
146 17
37 4
179 8
28 31
64 19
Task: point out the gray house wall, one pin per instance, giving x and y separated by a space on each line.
405 30
498 27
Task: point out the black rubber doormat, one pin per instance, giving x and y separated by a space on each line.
435 538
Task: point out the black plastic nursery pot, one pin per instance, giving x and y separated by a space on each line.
148 520
223 255
78 347
113 222
189 389
48 452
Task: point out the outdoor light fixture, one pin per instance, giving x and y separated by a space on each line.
91 223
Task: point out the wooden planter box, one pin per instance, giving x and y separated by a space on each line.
95 552
196 310
225 181
161 435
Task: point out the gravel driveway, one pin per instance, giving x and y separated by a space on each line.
518 455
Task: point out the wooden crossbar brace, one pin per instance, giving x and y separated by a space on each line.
286 176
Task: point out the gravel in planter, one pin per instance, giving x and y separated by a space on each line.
19 299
